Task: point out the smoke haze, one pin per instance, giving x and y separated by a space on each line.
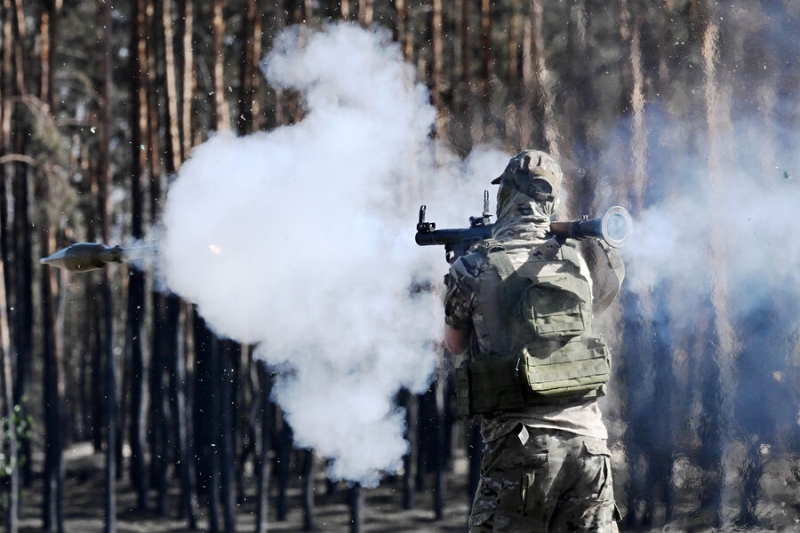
301 240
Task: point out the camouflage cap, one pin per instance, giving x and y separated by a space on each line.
527 170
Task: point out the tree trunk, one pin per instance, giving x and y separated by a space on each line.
182 406
187 132
250 38
438 63
103 192
439 451
136 287
175 149
222 115
546 101
7 385
365 12
265 438
206 417
228 351
356 508
722 352
406 400
283 460
53 518
9 435
308 490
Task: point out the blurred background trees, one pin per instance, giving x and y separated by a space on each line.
101 102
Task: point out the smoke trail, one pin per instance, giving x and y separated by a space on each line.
301 240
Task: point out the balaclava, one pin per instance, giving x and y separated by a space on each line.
527 197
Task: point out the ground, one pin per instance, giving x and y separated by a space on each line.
779 510
383 512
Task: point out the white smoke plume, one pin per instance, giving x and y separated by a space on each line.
301 240
750 213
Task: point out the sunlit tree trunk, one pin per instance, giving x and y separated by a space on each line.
189 85
221 110
723 351
544 82
8 434
404 36
366 11
482 90
516 116
438 65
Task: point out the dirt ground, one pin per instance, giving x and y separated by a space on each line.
383 512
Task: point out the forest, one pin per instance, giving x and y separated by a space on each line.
267 354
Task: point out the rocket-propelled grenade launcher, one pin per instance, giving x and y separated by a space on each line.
84 256
613 227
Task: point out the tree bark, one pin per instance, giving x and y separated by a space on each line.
103 210
366 11
229 350
23 250
308 490
543 78
7 384
438 62
222 115
182 406
136 286
356 508
265 437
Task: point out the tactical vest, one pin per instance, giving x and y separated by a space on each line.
538 318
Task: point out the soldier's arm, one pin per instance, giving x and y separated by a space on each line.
455 340
457 310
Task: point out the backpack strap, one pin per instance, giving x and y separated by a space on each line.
511 283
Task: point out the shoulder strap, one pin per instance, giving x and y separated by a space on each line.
511 284
496 254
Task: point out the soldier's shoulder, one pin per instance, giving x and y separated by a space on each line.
471 265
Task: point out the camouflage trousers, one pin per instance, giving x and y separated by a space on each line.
544 481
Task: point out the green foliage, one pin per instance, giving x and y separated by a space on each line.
23 428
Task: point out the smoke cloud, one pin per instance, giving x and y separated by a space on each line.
301 240
746 208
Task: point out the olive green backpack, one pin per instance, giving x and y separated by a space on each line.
554 357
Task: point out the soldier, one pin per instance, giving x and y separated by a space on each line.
521 307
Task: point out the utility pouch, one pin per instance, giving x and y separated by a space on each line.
577 369
491 384
555 308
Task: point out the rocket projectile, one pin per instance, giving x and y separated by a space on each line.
84 256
